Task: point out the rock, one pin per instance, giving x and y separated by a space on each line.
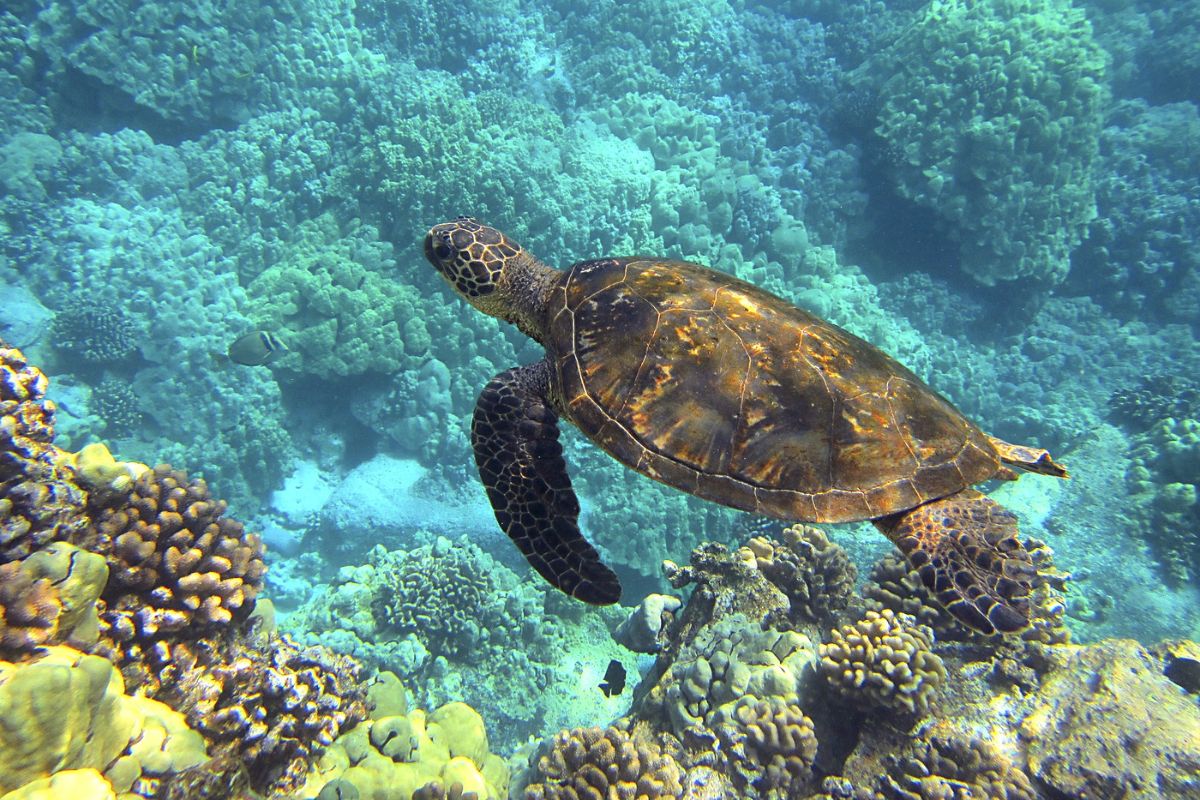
1110 724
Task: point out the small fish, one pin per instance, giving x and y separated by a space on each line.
257 348
614 679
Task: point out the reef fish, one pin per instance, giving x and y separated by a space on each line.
614 679
257 348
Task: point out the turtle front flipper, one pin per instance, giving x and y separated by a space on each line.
515 437
966 550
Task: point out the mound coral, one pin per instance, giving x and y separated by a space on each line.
994 112
770 745
67 710
440 754
950 768
884 660
586 763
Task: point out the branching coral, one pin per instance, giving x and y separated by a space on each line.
769 744
884 659
589 763
95 333
39 500
961 770
440 593
175 560
272 703
115 402
816 574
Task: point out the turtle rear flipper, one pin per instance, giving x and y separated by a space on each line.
515 438
966 550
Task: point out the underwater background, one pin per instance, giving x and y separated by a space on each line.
1004 195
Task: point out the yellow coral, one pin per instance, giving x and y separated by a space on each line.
71 784
68 710
96 469
393 756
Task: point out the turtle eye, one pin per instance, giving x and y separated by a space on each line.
444 248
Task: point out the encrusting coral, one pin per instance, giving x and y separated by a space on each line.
589 763
884 659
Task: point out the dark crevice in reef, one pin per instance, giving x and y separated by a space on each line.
83 102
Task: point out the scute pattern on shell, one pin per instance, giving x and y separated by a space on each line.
725 391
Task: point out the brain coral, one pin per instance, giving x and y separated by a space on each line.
593 763
884 659
993 111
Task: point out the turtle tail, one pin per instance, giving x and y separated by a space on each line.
966 549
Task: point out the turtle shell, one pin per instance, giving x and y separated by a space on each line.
728 392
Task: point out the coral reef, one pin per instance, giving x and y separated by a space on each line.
66 710
816 574
1162 479
39 501
95 333
140 567
993 112
884 659
443 753
604 762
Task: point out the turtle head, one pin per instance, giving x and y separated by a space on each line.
472 257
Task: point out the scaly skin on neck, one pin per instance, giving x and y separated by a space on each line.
523 295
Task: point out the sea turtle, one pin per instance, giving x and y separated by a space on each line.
716 387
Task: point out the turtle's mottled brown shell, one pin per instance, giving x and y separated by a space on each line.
720 389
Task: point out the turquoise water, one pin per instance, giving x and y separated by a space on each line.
1004 196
